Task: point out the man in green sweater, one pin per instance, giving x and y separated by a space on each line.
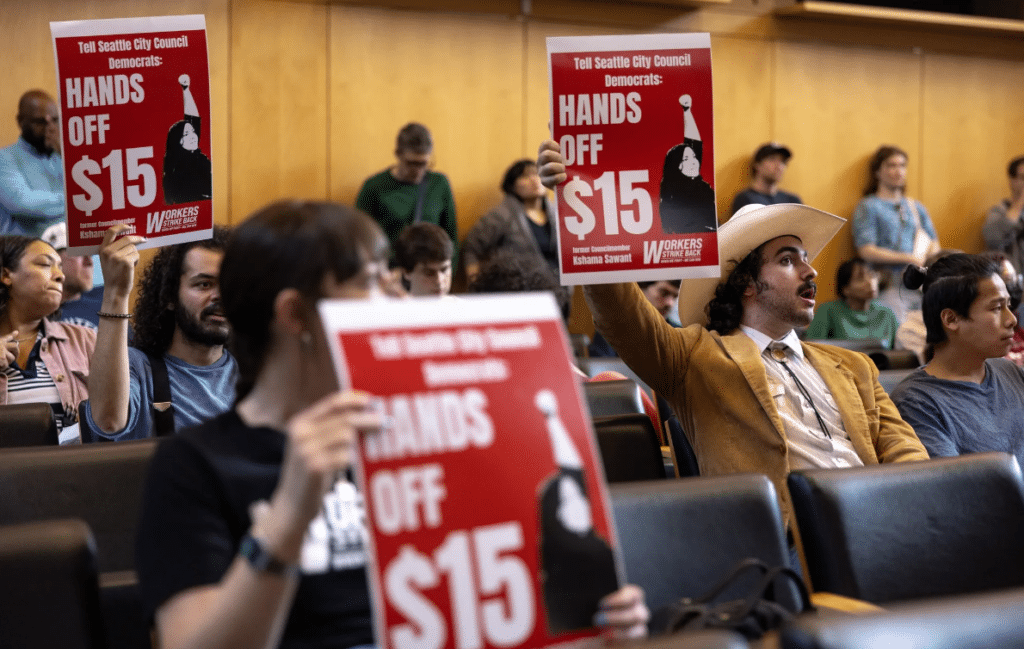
408 192
855 315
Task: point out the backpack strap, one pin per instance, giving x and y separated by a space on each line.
163 409
421 194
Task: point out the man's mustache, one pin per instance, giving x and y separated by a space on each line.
212 310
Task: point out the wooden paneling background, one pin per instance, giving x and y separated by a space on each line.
308 97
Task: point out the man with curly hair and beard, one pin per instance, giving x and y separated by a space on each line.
178 372
750 395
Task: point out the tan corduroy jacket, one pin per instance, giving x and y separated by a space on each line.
718 387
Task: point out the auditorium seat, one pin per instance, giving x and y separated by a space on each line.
980 621
679 538
685 459
883 358
903 531
101 484
630 448
619 397
27 424
595 365
889 379
894 359
863 345
49 596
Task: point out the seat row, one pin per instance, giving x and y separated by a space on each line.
887 534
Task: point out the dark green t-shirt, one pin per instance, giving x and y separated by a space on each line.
392 203
838 321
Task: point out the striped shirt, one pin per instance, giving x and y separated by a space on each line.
33 384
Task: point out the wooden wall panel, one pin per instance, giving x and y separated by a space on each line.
537 109
834 106
28 61
972 115
537 97
308 97
278 103
743 78
460 75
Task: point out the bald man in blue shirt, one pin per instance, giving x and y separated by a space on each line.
31 170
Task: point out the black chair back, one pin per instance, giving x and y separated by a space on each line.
679 538
125 620
686 459
593 366
985 621
27 424
863 345
894 359
617 397
889 379
49 595
913 530
630 448
99 483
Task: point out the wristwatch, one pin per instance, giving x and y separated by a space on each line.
261 560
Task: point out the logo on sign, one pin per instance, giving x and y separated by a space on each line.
672 250
171 219
652 251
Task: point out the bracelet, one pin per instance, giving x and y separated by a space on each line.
104 314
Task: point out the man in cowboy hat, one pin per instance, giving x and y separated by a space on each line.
750 396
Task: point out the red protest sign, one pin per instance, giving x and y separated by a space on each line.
488 513
633 117
134 98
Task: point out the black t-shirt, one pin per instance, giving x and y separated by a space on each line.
750 196
547 243
201 485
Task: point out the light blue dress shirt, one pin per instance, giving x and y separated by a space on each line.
31 189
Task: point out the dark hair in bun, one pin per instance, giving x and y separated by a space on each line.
914 277
949 283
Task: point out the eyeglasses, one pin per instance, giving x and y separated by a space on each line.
416 163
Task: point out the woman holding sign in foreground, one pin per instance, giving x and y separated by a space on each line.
251 534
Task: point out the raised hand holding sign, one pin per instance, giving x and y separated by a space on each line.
119 83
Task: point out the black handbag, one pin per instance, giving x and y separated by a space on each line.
751 616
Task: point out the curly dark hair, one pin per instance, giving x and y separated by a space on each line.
725 310
153 323
507 272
